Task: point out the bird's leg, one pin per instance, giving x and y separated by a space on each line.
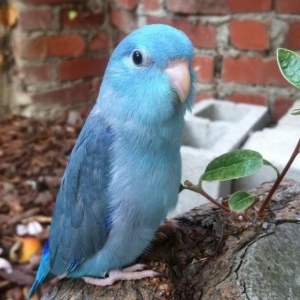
134 268
134 272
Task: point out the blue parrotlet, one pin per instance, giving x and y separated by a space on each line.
124 172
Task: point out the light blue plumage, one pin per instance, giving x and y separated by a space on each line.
124 172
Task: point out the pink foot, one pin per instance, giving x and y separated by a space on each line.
134 268
131 273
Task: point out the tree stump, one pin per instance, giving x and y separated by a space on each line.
209 254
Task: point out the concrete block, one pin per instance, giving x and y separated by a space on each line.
213 128
194 162
290 120
276 145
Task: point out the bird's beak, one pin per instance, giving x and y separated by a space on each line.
179 74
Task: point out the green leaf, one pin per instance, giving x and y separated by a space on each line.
233 165
295 112
267 163
289 65
240 201
72 14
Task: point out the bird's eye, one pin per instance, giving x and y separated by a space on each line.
137 57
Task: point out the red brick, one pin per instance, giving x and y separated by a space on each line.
51 1
184 7
128 4
258 99
101 41
82 68
239 34
85 110
252 70
68 45
205 95
160 20
65 95
201 35
204 68
96 84
151 5
240 6
35 18
280 107
287 6
120 36
36 73
82 19
292 38
123 19
198 7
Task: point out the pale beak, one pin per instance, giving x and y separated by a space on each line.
179 74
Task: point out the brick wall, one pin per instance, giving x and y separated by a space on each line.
61 49
60 59
235 43
8 18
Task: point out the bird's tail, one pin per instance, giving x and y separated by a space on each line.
43 273
33 288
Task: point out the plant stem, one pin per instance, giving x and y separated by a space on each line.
195 188
296 151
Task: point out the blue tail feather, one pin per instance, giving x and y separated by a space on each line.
43 273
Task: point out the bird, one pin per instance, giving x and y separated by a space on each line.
124 172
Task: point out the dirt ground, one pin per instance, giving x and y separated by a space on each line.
33 156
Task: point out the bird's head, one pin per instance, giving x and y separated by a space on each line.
150 74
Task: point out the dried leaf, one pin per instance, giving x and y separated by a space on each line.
17 276
4 284
40 219
1 65
5 265
32 151
24 248
8 16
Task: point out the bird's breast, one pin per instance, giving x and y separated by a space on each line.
145 180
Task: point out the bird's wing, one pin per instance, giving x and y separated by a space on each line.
80 221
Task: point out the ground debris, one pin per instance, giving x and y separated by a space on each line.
33 156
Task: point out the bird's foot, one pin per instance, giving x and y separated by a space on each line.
134 272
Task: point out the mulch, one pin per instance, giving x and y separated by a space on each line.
33 156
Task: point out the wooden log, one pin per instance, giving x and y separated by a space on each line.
209 254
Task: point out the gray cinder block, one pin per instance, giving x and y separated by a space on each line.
213 128
276 145
290 120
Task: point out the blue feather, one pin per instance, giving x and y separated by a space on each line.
44 272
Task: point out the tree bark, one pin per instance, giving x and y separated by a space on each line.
209 254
